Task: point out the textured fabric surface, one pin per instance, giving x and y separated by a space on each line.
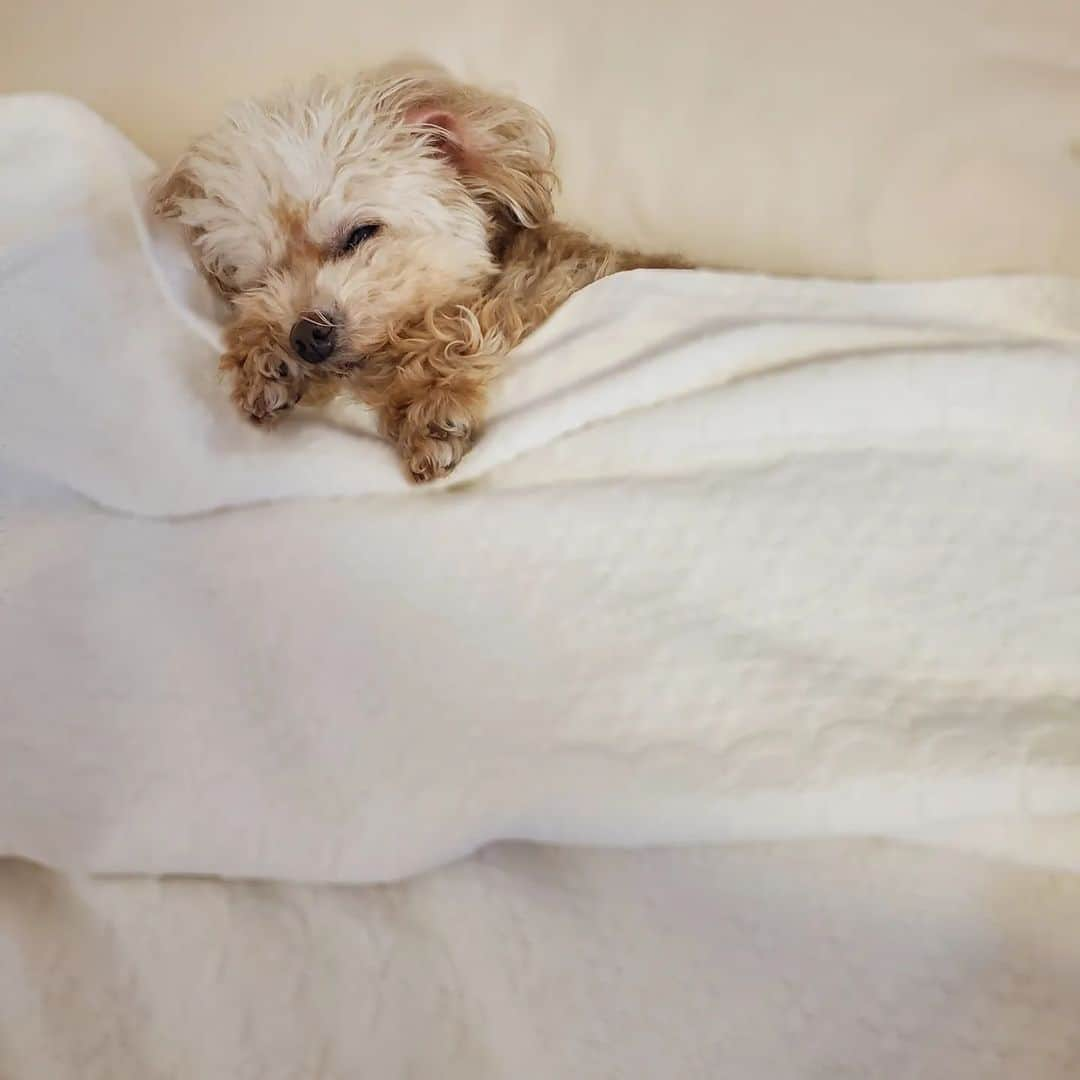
839 138
792 962
737 558
802 560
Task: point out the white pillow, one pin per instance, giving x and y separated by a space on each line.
840 137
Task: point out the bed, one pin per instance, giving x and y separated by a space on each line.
738 728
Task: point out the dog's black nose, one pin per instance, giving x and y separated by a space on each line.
313 337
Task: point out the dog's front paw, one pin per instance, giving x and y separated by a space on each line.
433 441
268 384
430 457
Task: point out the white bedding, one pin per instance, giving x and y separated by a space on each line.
738 558
797 961
843 138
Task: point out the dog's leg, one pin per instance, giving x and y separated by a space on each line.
432 410
267 380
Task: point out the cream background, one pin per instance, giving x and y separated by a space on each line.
843 137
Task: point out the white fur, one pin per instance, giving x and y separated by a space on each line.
338 158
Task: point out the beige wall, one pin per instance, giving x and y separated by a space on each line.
840 136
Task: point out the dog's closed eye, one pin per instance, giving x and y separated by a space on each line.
356 237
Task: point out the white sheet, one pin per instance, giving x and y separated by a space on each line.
738 558
792 961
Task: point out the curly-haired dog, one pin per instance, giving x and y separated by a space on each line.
392 238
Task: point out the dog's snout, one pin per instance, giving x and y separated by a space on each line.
313 337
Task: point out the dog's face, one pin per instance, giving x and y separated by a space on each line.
334 219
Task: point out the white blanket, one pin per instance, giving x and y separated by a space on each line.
738 558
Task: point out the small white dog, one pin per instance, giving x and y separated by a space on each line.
392 238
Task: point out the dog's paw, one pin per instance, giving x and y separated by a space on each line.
431 457
432 443
269 384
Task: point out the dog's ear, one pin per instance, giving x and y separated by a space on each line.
501 148
171 186
168 194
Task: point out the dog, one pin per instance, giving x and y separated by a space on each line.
392 238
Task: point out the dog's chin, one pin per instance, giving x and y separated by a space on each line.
339 367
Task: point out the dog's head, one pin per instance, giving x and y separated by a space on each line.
335 217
